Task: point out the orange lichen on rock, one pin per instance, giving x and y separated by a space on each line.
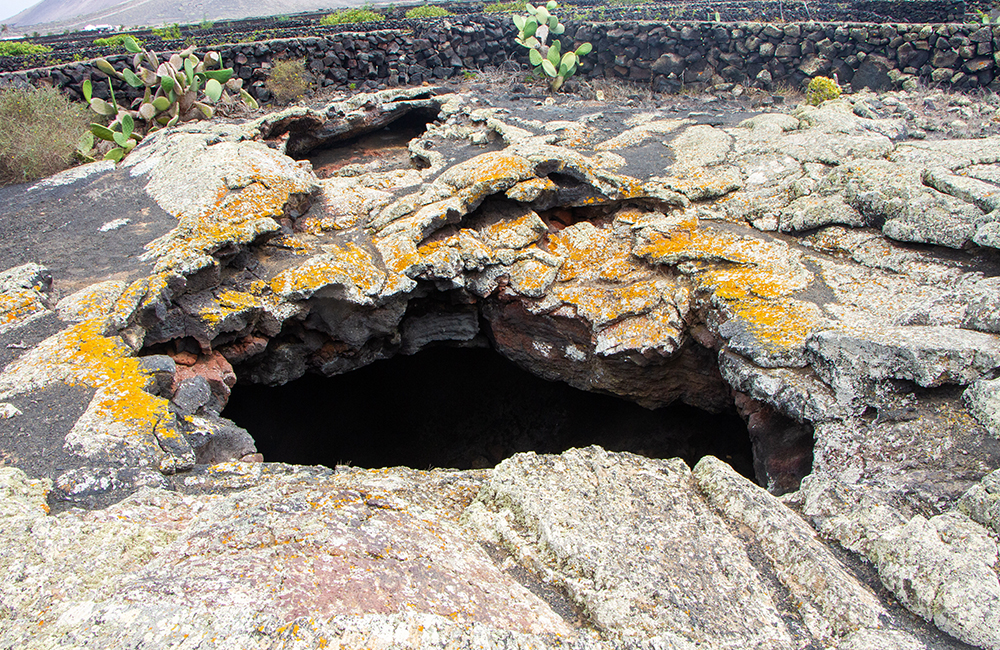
779 324
592 253
659 331
97 300
448 256
16 305
531 277
750 278
82 356
238 216
604 305
347 271
514 228
140 293
229 302
489 172
399 252
531 189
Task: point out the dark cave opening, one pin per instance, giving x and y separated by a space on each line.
466 408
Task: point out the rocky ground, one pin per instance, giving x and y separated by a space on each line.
829 273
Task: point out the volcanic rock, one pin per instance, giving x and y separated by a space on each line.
816 272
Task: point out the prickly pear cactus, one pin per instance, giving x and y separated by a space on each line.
534 30
179 89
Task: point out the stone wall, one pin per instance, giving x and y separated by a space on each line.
667 55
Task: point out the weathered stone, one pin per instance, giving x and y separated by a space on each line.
669 63
873 73
546 510
941 568
23 294
929 356
983 399
832 602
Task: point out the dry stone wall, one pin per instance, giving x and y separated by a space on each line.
669 56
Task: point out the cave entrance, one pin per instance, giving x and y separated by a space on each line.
466 408
382 149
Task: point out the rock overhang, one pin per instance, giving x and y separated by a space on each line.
688 285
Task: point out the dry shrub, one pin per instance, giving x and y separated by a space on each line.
502 77
615 90
39 131
288 80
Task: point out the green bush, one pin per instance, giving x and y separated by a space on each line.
115 40
22 48
288 80
346 16
428 11
39 131
503 7
821 89
171 33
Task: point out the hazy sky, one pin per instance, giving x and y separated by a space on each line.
9 8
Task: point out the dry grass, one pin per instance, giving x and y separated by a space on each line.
502 76
792 94
39 131
288 80
614 90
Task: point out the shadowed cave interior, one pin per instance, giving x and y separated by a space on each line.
465 408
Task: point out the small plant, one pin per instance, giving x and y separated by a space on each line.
22 48
205 23
176 90
469 75
115 40
39 131
428 11
503 7
347 16
533 32
171 33
821 89
352 86
288 80
986 17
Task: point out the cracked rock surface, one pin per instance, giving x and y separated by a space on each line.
820 273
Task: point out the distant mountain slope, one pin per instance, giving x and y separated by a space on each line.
59 15
49 11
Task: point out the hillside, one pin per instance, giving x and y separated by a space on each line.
50 16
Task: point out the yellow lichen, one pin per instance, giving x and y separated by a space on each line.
783 324
657 330
236 217
592 253
226 303
97 300
82 356
399 252
16 305
752 278
347 266
602 305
